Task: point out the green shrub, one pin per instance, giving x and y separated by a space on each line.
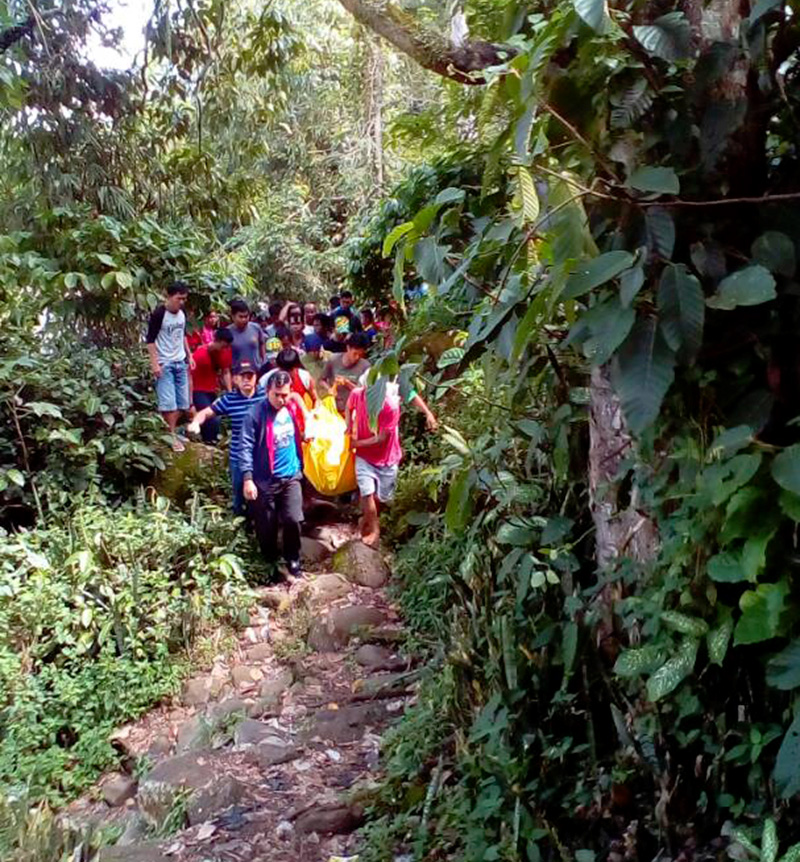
95 614
423 583
76 419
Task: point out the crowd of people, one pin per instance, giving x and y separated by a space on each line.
265 372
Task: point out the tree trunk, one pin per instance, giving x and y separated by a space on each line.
622 529
461 62
374 91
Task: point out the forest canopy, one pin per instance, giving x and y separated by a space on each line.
586 218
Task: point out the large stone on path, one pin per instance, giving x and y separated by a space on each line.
312 550
149 852
322 638
374 657
346 724
193 734
329 587
251 732
259 652
210 790
332 819
160 746
220 712
332 631
361 564
272 751
117 789
273 688
245 676
197 691
348 621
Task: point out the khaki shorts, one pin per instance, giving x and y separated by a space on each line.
380 481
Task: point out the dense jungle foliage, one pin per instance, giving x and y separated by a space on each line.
598 555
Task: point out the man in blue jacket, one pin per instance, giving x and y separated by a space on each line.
271 462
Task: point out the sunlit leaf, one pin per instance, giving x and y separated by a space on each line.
750 286
763 612
671 674
668 37
595 272
594 13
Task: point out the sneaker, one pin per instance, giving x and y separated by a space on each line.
294 568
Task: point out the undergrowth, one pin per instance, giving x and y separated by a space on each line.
97 612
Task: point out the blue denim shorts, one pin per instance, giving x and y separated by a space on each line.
172 388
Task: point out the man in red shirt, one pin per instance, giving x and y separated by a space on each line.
211 361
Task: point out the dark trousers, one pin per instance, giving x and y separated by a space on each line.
278 500
209 430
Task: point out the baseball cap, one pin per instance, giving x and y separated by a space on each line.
312 342
245 367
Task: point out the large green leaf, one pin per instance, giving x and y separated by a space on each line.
684 624
593 12
592 273
397 233
642 373
718 639
783 669
671 674
681 308
775 251
459 501
630 283
726 568
450 195
787 764
638 661
660 228
652 179
526 200
376 395
786 469
668 37
630 104
429 257
608 325
749 286
398 272
763 610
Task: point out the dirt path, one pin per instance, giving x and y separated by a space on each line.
273 752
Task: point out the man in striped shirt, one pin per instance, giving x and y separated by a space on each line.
235 405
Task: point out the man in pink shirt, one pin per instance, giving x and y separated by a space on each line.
378 455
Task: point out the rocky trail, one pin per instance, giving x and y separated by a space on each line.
272 752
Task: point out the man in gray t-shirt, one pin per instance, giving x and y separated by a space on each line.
344 370
169 354
248 337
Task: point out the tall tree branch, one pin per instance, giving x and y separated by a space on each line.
463 62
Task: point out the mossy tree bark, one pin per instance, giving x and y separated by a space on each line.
463 62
